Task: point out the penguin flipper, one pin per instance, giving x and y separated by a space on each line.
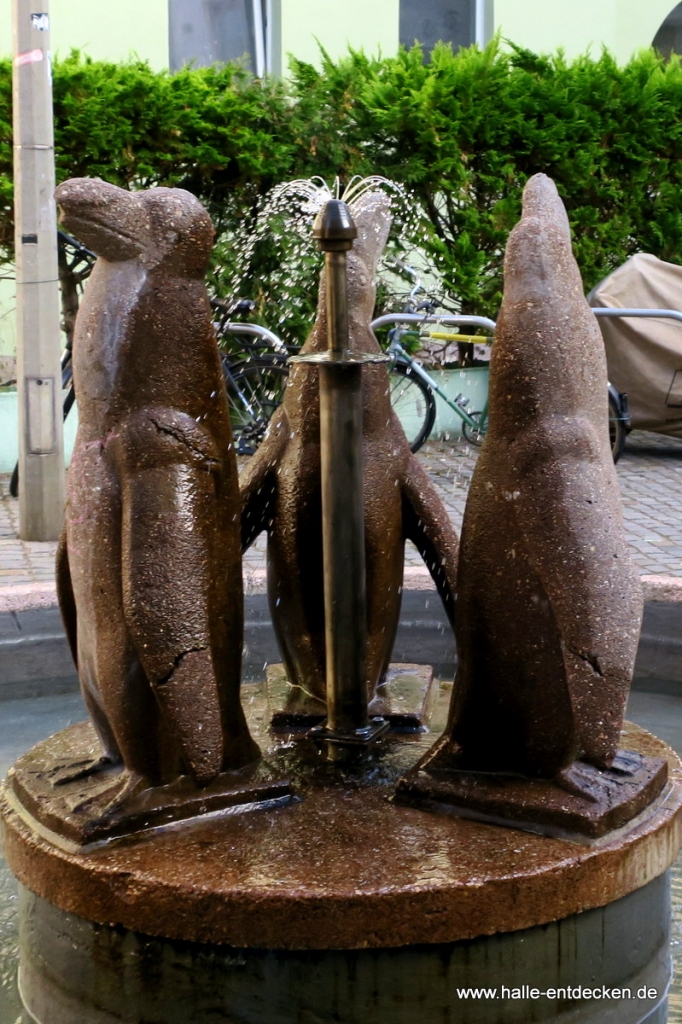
257 482
65 598
165 585
427 524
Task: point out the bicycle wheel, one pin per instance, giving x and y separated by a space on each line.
617 431
255 389
413 403
474 435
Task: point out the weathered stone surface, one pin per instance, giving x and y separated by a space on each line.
281 490
75 807
72 970
149 568
549 604
583 801
344 867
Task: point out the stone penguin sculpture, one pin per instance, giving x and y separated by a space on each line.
281 490
149 566
549 602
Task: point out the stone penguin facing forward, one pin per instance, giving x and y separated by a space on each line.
281 489
149 569
549 602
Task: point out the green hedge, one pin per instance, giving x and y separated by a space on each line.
463 131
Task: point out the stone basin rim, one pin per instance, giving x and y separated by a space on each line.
32 596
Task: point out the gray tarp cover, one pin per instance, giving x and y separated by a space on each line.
644 357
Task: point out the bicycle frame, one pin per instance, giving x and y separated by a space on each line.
397 350
417 319
229 378
257 331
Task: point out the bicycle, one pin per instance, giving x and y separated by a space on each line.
619 417
413 389
474 423
256 384
256 387
255 372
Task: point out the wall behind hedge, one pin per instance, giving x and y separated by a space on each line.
463 131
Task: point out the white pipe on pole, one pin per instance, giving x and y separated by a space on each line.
41 446
479 23
268 36
259 37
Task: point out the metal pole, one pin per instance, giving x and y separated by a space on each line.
479 23
348 731
41 446
343 542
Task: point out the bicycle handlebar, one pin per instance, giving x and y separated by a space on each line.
454 320
233 327
389 319
662 314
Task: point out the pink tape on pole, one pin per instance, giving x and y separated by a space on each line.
30 57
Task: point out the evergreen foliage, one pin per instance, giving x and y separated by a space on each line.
462 131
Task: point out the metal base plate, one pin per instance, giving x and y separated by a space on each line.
405 700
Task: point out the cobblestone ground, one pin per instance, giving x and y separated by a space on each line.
649 473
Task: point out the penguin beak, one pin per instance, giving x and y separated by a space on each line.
106 218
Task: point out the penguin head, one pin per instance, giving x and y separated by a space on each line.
181 231
372 216
158 226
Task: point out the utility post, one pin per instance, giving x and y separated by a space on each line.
41 444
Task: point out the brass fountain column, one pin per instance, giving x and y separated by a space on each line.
348 731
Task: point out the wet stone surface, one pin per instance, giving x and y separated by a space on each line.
28 721
343 867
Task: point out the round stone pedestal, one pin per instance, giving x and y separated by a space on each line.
610 964
342 906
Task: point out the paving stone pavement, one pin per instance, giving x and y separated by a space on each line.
649 473
650 478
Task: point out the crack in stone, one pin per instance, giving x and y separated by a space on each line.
177 661
183 439
591 659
